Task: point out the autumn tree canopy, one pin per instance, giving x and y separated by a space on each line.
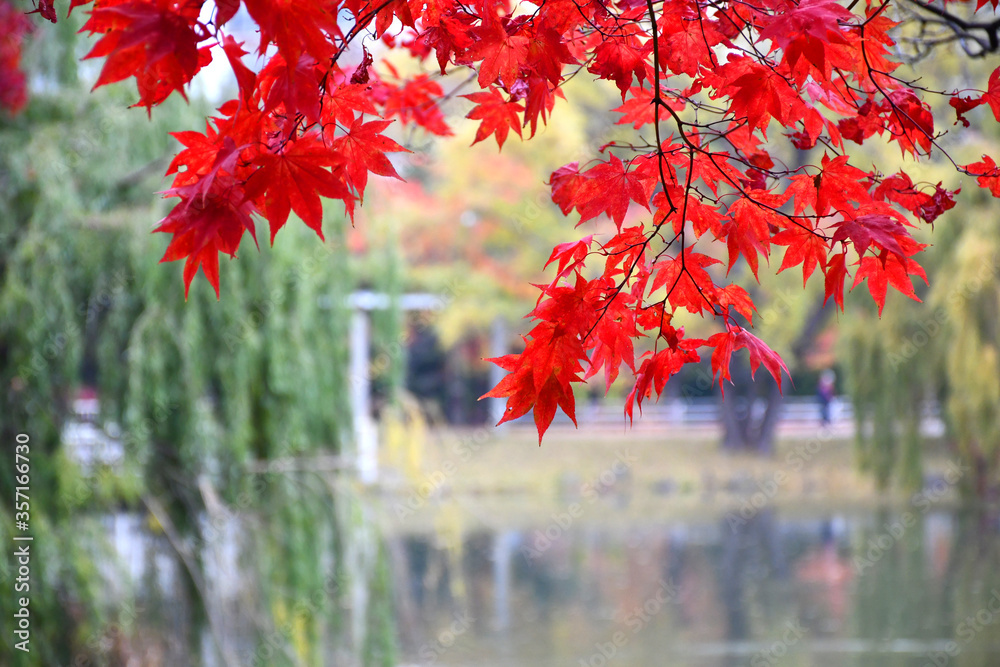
709 89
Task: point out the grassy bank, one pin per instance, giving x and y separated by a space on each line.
613 476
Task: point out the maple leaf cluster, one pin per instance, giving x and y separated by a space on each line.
707 86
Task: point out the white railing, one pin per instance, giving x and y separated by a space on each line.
86 442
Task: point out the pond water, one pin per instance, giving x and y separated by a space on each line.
913 586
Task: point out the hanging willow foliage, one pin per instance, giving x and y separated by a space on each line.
199 392
946 349
887 392
968 297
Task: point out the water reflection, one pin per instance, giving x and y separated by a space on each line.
899 588
300 579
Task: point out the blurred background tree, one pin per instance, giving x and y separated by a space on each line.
204 395
941 352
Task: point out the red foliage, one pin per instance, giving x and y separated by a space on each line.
707 80
499 116
156 42
13 28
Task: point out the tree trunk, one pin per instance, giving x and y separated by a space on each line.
751 409
750 412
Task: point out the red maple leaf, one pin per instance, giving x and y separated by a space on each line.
837 187
499 116
570 256
612 339
503 54
619 58
415 100
686 43
756 92
296 28
539 100
992 95
607 187
687 282
294 180
748 231
625 249
804 31
346 100
47 9
198 156
547 53
156 42
704 217
910 122
836 272
363 150
246 79
899 189
654 371
735 338
885 270
942 200
292 88
637 110
963 105
735 297
542 374
567 186
867 122
449 36
205 223
865 230
805 247
523 395
388 12
987 174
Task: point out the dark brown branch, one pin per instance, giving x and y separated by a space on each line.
963 29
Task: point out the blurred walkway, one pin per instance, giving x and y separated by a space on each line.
699 418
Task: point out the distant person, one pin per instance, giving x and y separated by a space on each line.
824 391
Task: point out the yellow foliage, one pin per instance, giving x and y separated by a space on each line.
405 438
448 528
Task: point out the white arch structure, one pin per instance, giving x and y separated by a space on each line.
365 429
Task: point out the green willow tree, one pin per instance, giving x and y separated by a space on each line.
946 349
205 395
